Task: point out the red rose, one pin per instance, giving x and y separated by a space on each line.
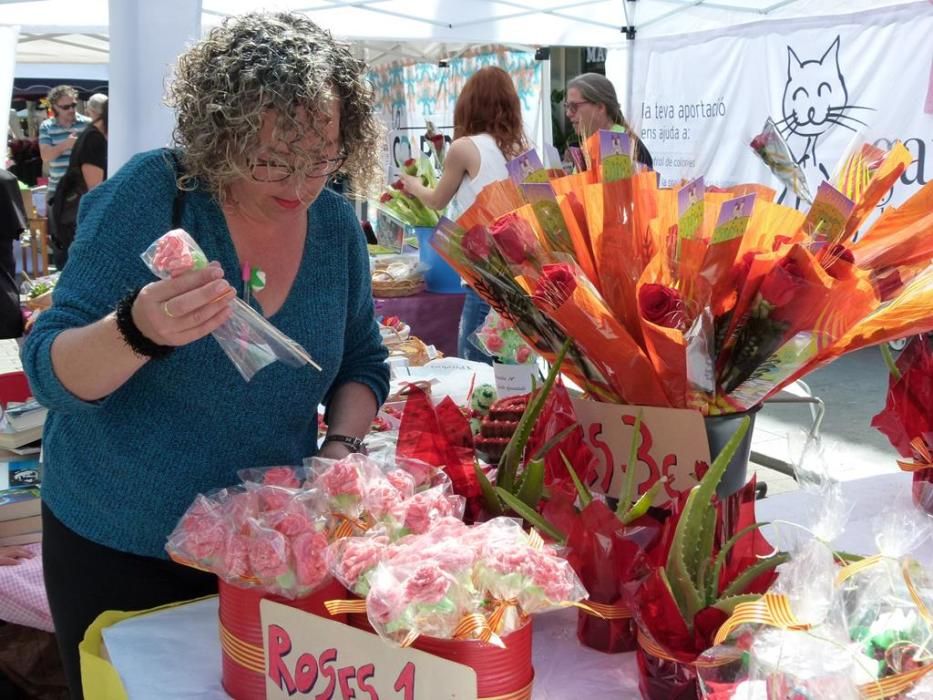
475 243
781 284
838 261
557 283
759 142
662 306
385 198
410 166
398 185
437 140
514 237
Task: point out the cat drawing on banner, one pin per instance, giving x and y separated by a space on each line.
815 101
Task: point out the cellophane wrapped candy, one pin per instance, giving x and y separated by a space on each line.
247 338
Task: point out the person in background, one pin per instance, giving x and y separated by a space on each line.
95 105
57 136
487 133
591 105
145 410
87 168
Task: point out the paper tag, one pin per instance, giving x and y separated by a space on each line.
307 656
673 443
514 380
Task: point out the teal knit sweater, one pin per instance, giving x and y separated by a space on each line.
122 471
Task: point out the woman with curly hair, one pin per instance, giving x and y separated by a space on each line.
145 411
487 133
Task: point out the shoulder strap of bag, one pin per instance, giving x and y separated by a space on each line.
178 203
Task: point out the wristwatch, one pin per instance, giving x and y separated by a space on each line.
354 444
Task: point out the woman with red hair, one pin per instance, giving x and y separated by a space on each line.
487 133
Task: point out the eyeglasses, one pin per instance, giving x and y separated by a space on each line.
275 171
572 107
65 108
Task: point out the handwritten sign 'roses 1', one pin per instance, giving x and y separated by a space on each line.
311 657
673 443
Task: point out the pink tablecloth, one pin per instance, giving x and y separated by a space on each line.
435 318
22 593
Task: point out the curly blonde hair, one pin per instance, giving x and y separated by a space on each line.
278 63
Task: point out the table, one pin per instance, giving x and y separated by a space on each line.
22 593
176 653
435 318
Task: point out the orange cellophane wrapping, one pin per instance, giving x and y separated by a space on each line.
585 317
666 346
768 222
760 266
494 200
572 208
901 236
893 166
615 249
764 194
907 314
573 183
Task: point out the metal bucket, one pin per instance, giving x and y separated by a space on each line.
719 429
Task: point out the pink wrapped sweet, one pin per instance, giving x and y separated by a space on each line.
416 514
341 481
309 551
403 482
203 532
273 498
292 522
176 252
281 476
351 559
268 553
427 584
236 558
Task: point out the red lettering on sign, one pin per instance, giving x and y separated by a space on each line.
363 674
406 681
644 454
327 657
343 677
666 466
305 673
280 644
596 429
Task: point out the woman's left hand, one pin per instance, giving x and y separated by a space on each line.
334 450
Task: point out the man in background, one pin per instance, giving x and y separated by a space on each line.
57 136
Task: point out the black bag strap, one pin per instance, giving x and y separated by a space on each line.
178 203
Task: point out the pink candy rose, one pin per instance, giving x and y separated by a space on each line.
340 479
428 584
268 554
172 254
308 550
281 476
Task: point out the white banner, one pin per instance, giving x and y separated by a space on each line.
699 99
408 96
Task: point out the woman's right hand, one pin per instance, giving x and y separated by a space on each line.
184 308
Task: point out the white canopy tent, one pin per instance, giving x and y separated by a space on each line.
63 32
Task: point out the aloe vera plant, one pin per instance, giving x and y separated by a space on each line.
692 571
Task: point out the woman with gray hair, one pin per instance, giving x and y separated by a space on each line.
145 411
591 105
95 105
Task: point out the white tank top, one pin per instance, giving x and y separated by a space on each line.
491 168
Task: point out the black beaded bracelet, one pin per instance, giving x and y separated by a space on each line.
132 336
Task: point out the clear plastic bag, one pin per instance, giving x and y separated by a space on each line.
248 339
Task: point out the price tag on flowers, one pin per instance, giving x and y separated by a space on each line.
309 656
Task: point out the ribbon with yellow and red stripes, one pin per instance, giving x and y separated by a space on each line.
345 607
607 611
771 609
249 656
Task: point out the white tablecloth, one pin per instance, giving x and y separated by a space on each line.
176 653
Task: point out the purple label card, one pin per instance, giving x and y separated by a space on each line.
615 156
690 208
826 221
527 168
733 218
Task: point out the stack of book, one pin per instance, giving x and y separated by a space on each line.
20 522
23 418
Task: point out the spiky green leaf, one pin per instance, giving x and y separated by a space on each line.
727 605
493 506
745 579
585 496
704 553
531 516
512 456
713 583
627 494
648 499
542 451
532 483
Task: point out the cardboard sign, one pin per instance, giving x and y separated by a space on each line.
672 443
514 380
307 656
